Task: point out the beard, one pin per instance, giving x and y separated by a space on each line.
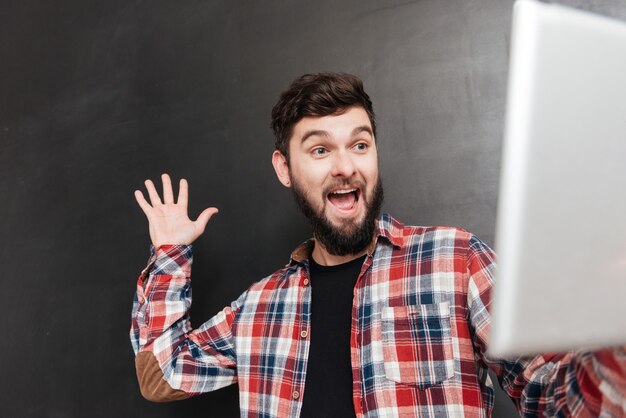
351 237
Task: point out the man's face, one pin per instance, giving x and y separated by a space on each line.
333 167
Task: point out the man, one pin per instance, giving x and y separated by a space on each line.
370 317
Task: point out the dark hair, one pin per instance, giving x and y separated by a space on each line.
317 95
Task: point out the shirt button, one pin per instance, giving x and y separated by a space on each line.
306 282
295 394
303 334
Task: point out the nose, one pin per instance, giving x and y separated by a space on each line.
343 166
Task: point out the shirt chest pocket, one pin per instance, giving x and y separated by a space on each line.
417 344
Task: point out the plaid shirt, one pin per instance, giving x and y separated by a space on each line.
420 323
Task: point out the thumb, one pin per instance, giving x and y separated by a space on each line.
204 217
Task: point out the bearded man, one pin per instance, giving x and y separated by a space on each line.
370 317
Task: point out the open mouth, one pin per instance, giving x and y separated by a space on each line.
344 199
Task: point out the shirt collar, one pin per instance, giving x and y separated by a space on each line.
387 228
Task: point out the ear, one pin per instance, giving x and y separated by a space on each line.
279 161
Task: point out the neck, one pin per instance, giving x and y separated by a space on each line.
324 258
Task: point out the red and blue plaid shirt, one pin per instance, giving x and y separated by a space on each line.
420 324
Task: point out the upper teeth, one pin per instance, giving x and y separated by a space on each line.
344 191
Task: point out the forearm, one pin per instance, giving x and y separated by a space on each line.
172 360
574 384
601 382
160 319
162 298
562 385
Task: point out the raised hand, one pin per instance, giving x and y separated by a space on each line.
168 221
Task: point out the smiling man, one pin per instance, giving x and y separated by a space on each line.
370 318
332 168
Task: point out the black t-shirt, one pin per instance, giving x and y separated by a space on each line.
328 384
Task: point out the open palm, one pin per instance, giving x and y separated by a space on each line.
168 221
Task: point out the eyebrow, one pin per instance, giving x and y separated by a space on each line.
363 128
318 132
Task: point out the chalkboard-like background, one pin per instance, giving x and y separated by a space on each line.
96 96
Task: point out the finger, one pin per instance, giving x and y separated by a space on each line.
145 206
183 193
204 217
154 196
168 194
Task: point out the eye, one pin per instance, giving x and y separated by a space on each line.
319 151
361 146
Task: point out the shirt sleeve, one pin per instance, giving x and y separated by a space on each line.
172 360
580 384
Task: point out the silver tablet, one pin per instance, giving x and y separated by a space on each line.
561 227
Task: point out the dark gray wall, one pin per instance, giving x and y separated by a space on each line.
96 96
